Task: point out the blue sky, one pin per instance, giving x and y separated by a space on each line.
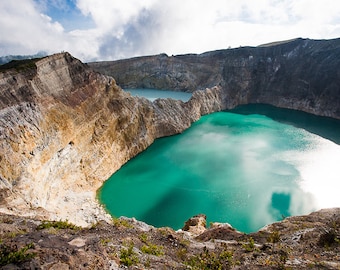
65 12
111 29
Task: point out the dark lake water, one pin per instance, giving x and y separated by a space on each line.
248 167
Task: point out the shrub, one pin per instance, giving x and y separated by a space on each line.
153 249
250 245
274 237
127 256
14 255
121 223
143 237
210 260
57 225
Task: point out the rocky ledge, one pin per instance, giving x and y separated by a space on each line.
303 242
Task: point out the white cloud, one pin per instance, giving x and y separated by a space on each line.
25 30
113 15
136 27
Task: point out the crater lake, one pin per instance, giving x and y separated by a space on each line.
249 167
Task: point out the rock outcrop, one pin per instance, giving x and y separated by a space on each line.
65 129
196 225
299 74
302 242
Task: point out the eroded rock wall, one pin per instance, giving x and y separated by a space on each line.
65 129
299 74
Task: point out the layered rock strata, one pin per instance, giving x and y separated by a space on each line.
64 129
299 74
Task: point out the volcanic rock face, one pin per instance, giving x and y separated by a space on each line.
300 74
65 129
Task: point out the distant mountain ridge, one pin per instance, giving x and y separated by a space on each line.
8 58
301 74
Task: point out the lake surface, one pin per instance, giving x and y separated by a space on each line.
248 167
153 94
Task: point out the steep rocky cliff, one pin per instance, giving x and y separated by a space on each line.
65 129
298 74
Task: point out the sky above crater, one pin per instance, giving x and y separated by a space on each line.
111 29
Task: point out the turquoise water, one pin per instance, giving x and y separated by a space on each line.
242 168
153 94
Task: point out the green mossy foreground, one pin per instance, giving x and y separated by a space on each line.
304 242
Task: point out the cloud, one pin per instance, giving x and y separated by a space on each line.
196 26
120 29
113 16
23 28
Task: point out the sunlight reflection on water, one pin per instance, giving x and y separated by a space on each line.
320 172
247 170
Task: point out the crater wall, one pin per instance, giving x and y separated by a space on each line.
65 129
299 74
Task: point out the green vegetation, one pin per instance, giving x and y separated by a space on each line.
105 241
152 249
13 234
57 225
250 245
210 260
274 238
164 231
127 256
14 255
182 254
121 223
184 242
147 263
143 237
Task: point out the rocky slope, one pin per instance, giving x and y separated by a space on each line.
303 242
298 74
65 129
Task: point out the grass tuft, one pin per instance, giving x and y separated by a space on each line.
57 225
